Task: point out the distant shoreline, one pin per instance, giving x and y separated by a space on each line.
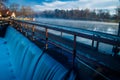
102 20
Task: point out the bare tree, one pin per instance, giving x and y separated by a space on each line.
14 7
26 11
2 4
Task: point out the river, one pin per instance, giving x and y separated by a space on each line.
105 27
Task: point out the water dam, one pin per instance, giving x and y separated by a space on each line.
29 51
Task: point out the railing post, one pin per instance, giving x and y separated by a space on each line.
93 41
74 50
33 32
21 27
25 29
119 29
46 33
61 34
17 27
97 44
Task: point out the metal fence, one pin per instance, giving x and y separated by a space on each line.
40 30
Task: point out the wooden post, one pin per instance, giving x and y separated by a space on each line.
74 50
33 32
46 33
119 29
21 27
26 30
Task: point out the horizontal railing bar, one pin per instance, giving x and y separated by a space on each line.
92 68
85 30
105 38
71 29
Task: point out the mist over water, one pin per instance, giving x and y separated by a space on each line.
105 27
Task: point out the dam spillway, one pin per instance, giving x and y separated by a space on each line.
20 58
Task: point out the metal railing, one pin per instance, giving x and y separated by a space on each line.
99 37
113 40
119 29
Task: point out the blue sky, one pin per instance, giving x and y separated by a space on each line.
40 5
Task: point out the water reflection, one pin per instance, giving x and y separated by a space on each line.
104 27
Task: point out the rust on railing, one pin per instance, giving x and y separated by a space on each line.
46 34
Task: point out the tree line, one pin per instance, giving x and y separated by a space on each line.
84 14
77 14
